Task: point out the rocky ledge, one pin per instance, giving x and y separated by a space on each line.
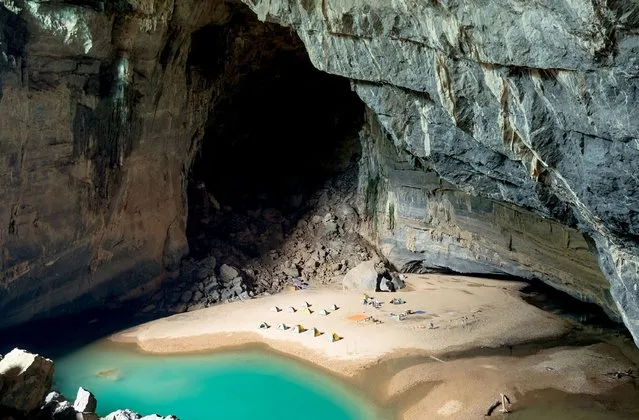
25 393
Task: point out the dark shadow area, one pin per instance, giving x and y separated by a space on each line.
541 295
549 299
55 337
276 131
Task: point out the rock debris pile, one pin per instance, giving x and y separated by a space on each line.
318 244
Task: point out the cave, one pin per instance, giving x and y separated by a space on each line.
277 130
393 191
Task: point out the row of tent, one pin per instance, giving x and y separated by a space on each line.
307 309
298 329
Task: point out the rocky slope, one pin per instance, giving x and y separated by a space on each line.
501 137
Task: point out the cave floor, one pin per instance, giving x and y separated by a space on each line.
469 340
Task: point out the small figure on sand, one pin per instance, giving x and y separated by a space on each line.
502 402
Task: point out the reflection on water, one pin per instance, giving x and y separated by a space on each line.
250 384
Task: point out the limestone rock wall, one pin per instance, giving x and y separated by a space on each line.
527 103
422 222
97 122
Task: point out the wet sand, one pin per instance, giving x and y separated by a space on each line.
410 364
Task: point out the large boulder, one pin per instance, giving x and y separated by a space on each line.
26 379
228 273
64 411
85 401
364 277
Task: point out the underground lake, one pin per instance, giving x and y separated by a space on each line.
246 384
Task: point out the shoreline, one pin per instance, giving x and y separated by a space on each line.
455 370
241 341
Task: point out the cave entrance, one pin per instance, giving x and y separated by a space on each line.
277 130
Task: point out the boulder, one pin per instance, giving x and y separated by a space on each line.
226 294
228 273
210 288
26 380
64 411
54 397
197 296
85 401
214 296
179 308
130 415
122 415
209 262
86 416
364 276
361 277
186 296
51 403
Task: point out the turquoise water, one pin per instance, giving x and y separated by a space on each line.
251 384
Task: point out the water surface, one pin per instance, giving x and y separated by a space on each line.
247 384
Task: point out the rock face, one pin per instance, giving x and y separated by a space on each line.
423 223
26 380
501 138
536 111
98 122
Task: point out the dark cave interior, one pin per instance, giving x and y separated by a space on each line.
277 130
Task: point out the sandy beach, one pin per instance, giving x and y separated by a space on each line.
446 371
